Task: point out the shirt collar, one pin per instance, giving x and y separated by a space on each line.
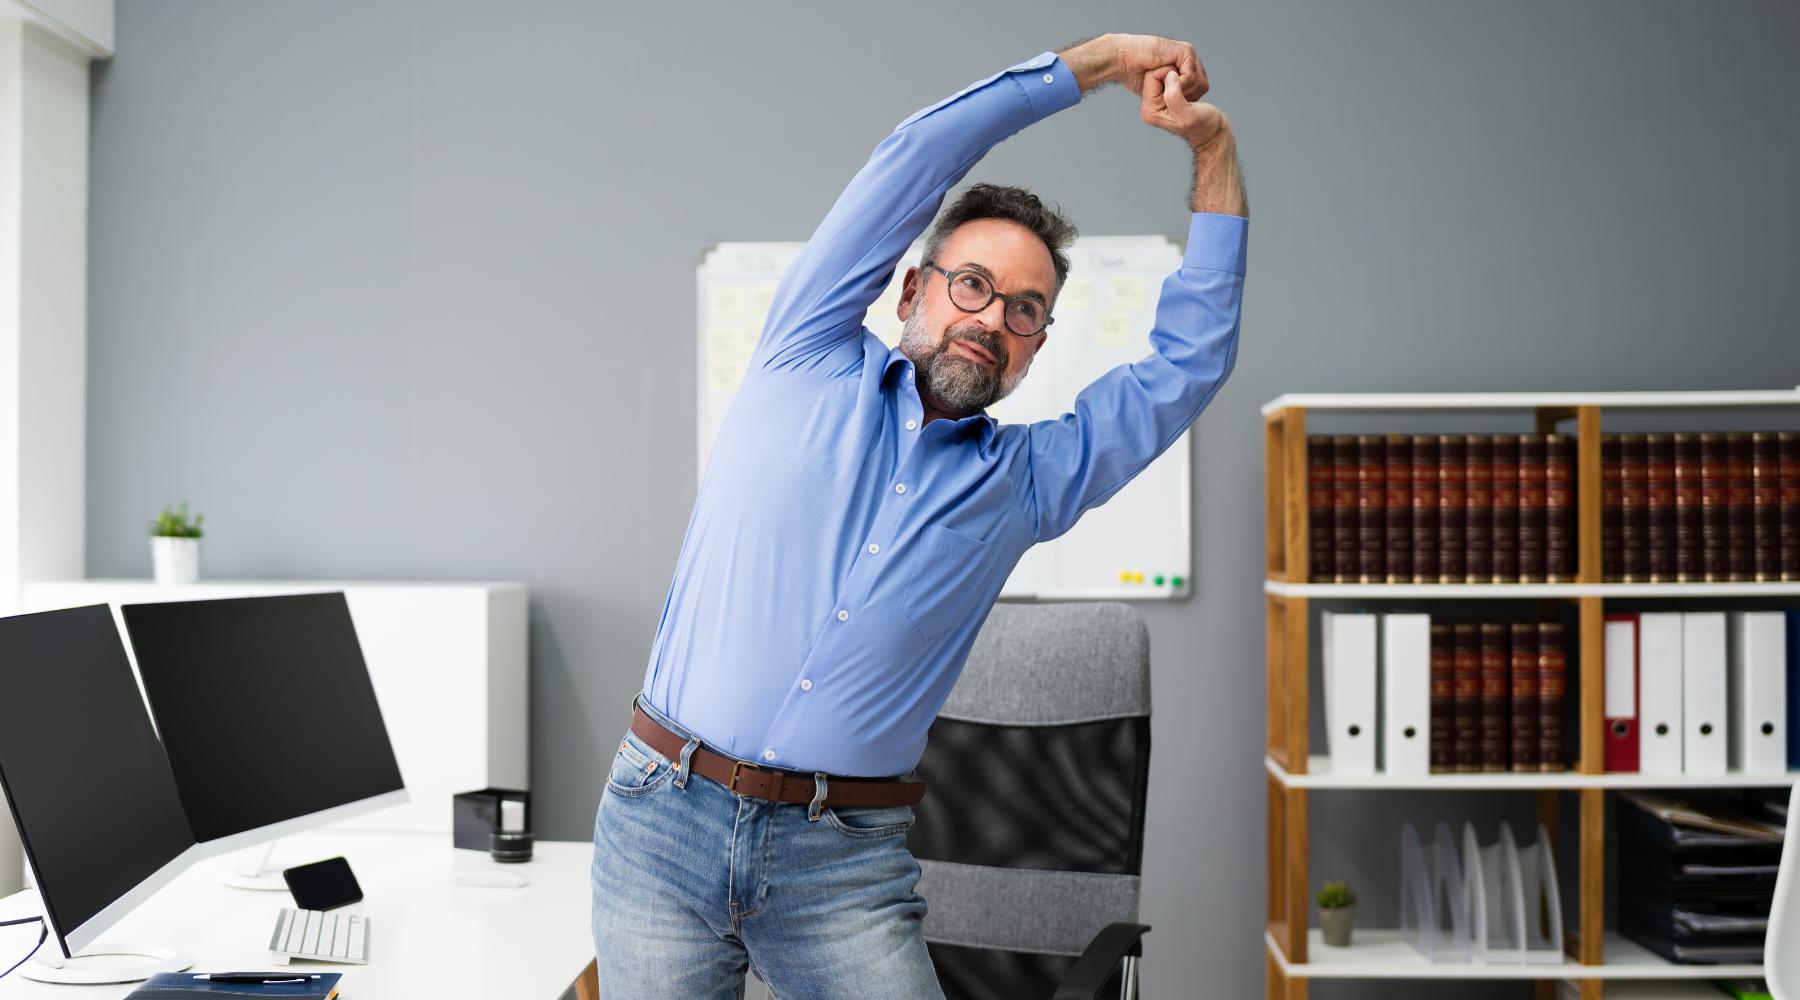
898 364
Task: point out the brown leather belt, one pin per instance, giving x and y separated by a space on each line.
774 783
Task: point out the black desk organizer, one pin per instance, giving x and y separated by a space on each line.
476 815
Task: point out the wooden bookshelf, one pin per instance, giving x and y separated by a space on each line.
1380 954
1318 774
1291 772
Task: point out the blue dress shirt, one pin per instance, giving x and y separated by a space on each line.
841 554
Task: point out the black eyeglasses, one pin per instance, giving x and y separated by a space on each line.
971 291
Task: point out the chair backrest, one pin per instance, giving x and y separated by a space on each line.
1031 834
1781 946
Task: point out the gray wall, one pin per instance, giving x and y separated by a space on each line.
406 290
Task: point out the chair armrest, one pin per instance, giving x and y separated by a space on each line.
1089 973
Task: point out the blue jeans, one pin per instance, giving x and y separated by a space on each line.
694 884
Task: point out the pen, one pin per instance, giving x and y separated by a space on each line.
252 977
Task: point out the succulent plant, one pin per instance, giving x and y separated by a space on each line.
174 523
1335 895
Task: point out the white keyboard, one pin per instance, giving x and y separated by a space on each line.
320 935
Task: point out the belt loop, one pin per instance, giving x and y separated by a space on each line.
684 768
818 800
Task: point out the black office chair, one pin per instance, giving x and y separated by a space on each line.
1031 834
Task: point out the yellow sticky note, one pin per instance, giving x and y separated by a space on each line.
1128 293
728 350
747 337
726 305
723 338
1077 296
1112 329
761 298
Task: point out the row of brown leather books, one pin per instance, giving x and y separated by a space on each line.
1441 508
1700 508
1499 697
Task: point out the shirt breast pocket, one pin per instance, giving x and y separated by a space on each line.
941 589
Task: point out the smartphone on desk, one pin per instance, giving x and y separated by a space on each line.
323 885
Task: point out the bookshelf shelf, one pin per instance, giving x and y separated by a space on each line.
1380 954
1295 953
1527 400
1319 775
1490 591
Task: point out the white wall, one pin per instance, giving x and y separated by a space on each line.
43 320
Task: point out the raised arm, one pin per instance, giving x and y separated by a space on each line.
850 258
1130 415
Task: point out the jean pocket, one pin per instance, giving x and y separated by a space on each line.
937 596
637 769
870 821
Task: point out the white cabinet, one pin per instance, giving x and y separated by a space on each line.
448 661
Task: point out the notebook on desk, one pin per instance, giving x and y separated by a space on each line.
183 986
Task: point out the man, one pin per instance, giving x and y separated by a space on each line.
858 517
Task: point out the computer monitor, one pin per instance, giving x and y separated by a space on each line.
266 723
267 712
96 804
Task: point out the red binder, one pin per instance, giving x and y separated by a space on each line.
1621 697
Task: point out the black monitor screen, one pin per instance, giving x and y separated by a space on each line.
265 706
93 795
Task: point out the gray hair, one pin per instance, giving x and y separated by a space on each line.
1014 204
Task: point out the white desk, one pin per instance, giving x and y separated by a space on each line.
523 944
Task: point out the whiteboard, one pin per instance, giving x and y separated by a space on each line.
1137 545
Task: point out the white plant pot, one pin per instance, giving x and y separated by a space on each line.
176 560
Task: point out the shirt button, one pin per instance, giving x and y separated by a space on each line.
806 684
843 615
910 424
874 549
1049 79
768 755
909 376
899 487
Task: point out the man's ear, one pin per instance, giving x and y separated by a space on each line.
1043 338
909 294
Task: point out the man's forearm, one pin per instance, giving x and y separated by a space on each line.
1094 62
1219 179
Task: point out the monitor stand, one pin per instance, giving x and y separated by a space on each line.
253 870
107 962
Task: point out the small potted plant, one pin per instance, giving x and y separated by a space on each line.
175 545
1337 912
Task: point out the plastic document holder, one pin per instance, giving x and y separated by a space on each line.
1496 901
1513 899
1543 901
1505 908
1434 916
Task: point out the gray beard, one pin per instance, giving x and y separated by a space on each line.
956 384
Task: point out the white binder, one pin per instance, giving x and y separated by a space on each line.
1703 692
1406 693
1350 722
1758 692
1659 692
